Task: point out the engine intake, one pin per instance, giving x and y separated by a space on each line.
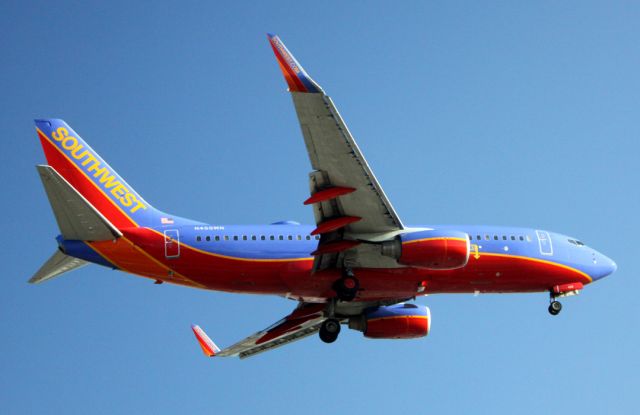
433 249
400 321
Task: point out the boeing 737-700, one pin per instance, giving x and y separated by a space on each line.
358 266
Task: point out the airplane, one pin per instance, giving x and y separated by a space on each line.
358 266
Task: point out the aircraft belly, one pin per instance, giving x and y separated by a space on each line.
141 251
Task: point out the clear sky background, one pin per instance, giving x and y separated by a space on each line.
505 113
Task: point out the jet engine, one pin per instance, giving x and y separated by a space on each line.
432 249
399 321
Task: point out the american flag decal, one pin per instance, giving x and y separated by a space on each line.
166 221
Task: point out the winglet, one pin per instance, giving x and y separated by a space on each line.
296 77
209 348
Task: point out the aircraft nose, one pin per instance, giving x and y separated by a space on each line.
603 266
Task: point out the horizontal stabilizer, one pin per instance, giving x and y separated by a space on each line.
76 217
57 265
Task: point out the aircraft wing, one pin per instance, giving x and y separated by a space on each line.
304 321
346 196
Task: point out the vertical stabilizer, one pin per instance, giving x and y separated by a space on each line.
92 177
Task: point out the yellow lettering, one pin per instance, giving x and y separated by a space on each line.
67 140
60 134
92 165
127 200
95 166
75 151
89 159
138 206
119 190
107 179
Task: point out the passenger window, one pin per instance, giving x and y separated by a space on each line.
528 238
253 237
290 238
495 237
299 237
244 237
198 238
504 237
513 238
308 237
208 238
470 238
478 237
226 237
271 237
281 237
262 237
217 238
521 238
487 237
235 237
317 237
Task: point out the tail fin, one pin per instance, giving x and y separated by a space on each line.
91 176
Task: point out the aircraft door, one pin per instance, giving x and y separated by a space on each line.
171 243
544 242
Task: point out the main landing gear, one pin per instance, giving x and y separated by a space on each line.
346 289
347 286
554 305
329 330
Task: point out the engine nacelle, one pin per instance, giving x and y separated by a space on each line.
433 249
399 321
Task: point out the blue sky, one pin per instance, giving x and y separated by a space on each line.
505 113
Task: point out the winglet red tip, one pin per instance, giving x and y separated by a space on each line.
297 78
209 348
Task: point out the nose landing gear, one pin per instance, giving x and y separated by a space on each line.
554 305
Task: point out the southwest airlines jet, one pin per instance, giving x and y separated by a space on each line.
358 266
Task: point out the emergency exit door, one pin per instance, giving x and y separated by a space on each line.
171 243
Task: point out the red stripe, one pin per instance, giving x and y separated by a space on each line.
76 177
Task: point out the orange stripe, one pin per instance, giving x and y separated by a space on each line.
394 317
542 261
166 269
438 238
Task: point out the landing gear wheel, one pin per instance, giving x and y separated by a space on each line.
347 287
329 330
555 307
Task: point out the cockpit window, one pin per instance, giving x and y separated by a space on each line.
575 242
